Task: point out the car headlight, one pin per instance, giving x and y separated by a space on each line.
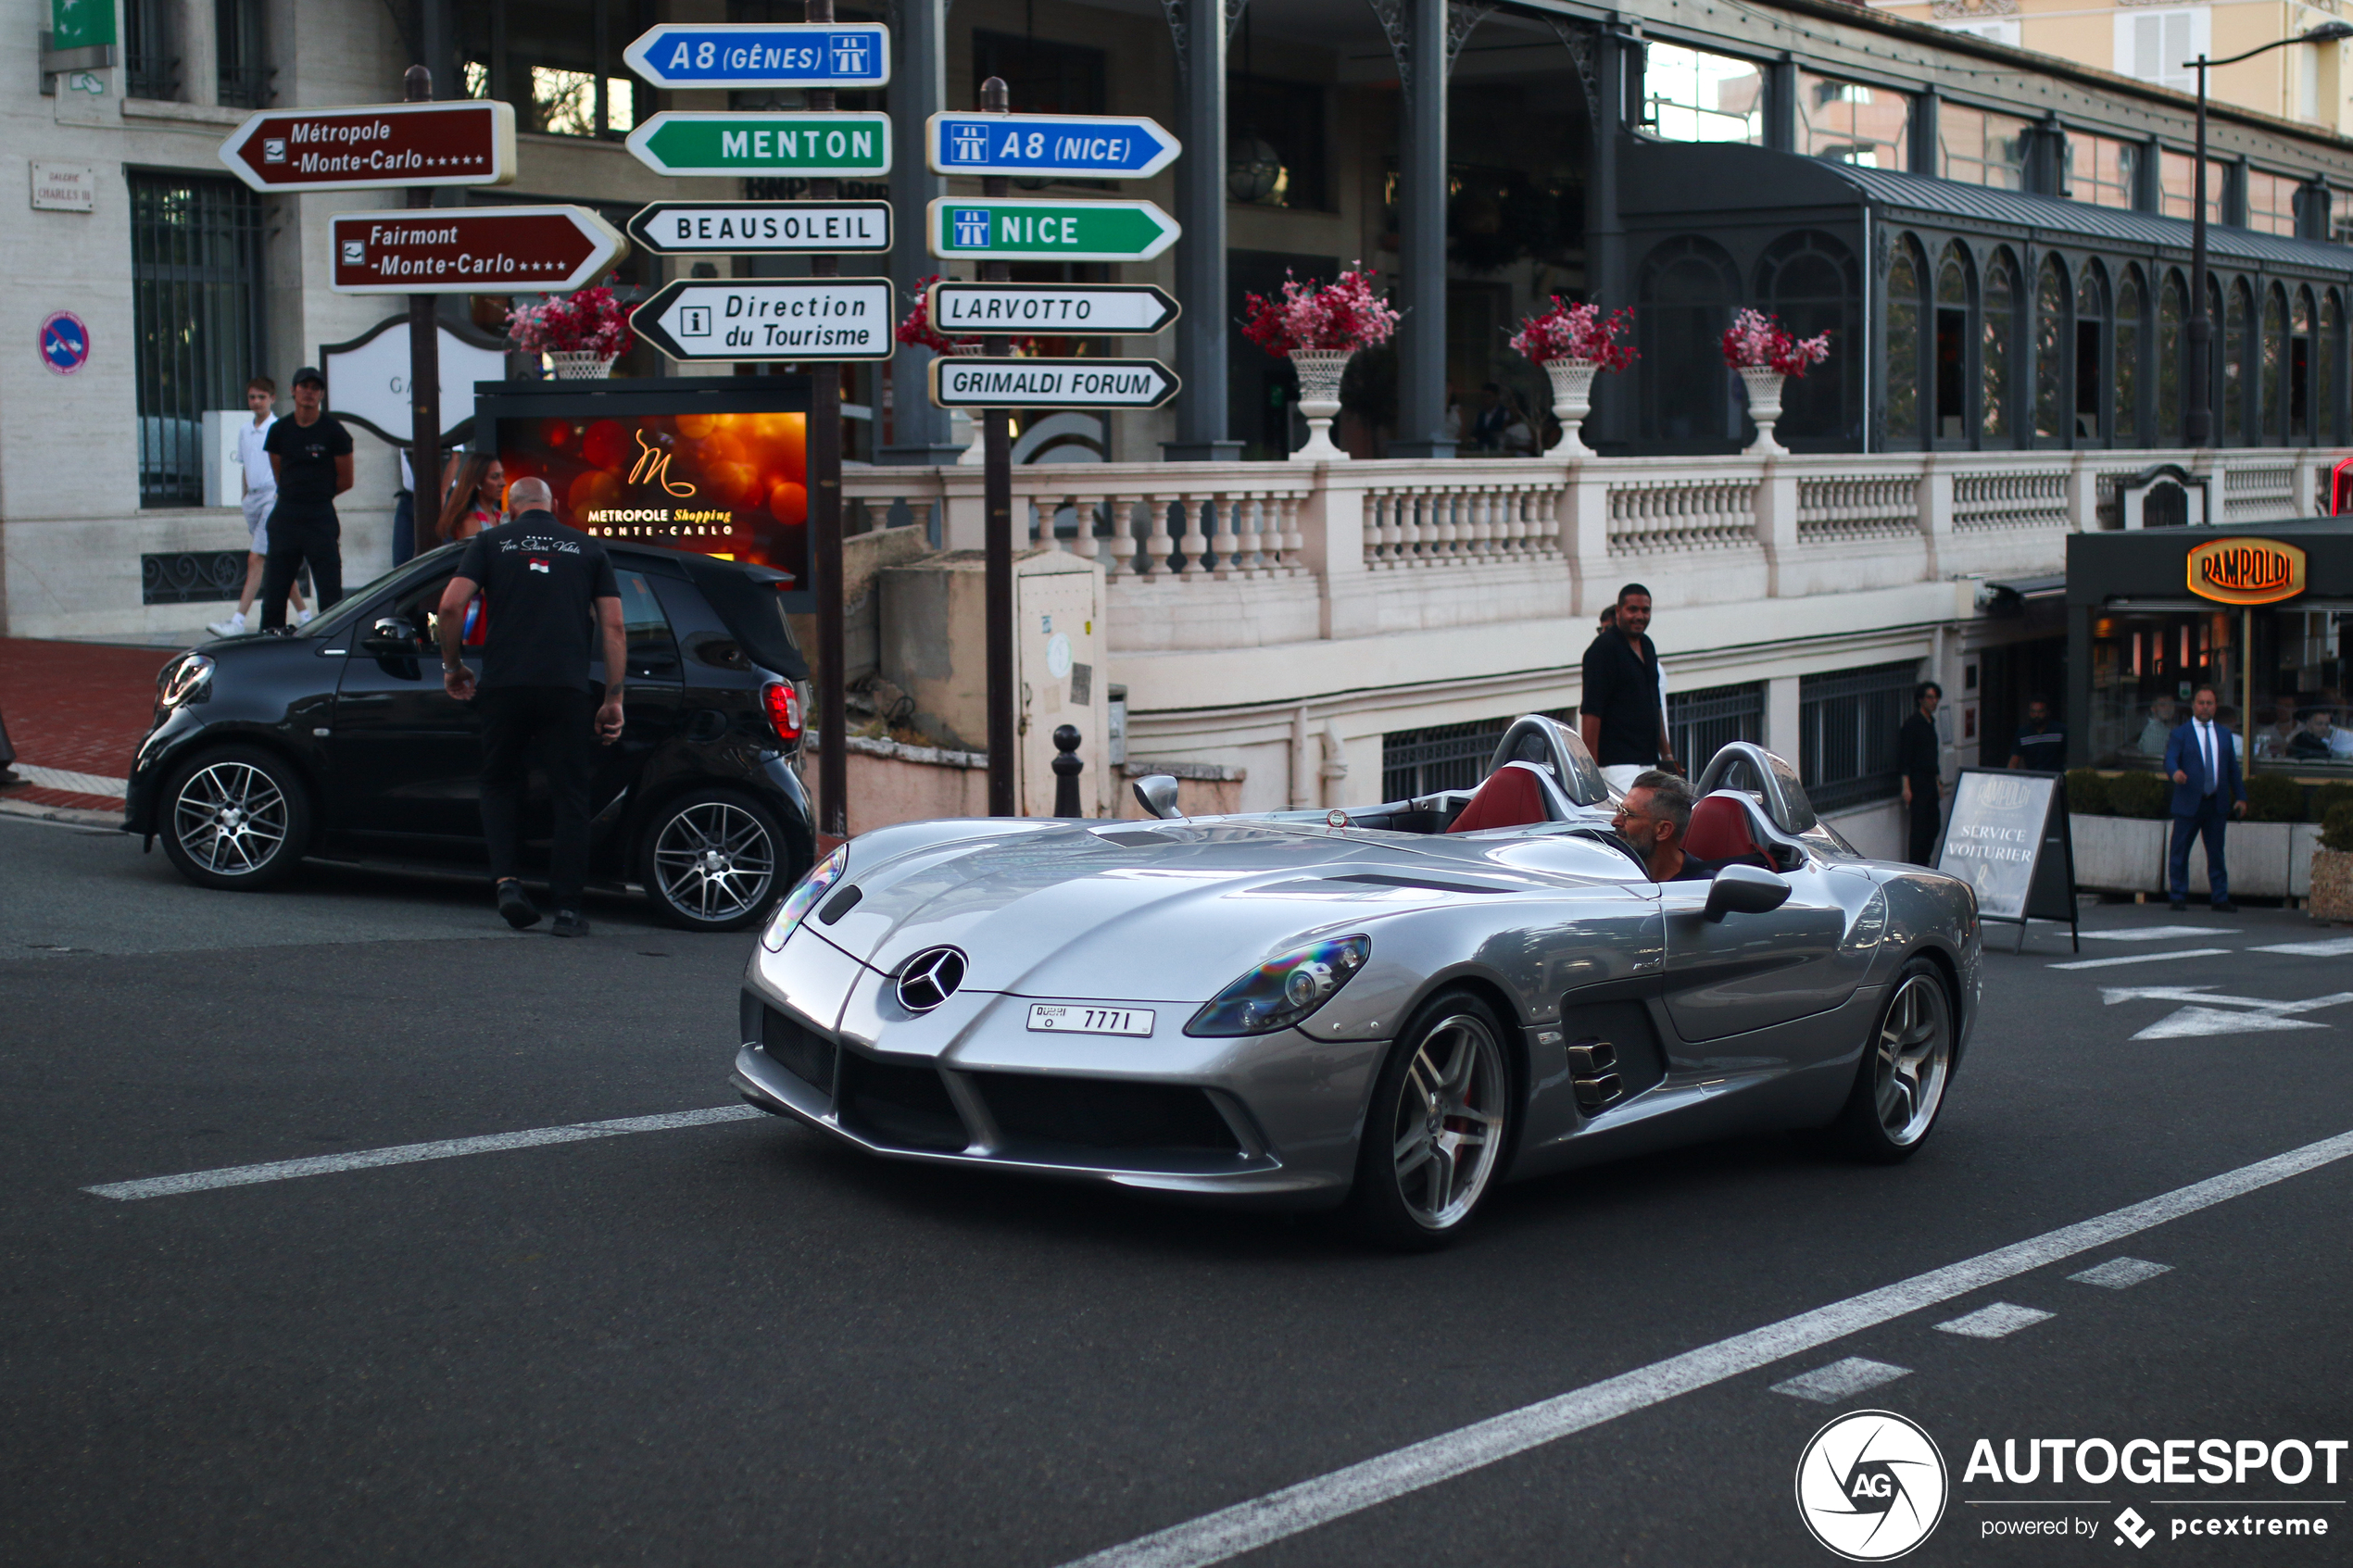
185 679
803 899
1283 991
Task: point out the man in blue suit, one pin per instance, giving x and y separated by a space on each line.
2208 792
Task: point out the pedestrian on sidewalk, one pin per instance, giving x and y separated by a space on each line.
260 494
1919 757
2042 740
547 590
1622 715
310 460
9 777
2208 792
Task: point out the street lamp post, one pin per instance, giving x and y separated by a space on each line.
2198 416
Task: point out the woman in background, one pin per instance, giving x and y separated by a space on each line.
476 501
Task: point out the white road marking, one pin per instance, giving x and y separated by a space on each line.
2191 1023
1841 1381
2205 1015
2204 996
1246 1526
1994 1322
2156 933
2141 957
2122 1274
77 783
2334 948
409 1153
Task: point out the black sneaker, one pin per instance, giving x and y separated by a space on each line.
516 906
2224 908
571 923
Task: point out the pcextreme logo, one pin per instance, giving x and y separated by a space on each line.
1871 1486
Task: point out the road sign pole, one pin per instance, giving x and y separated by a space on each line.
996 523
424 370
825 522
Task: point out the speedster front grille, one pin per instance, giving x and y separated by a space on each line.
801 1051
1098 1114
891 1104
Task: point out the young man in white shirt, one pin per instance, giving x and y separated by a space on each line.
260 494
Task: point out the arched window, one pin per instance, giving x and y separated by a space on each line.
2124 418
2331 365
2171 346
1998 350
2237 376
1686 292
1952 345
2050 353
1810 280
2090 349
1904 347
2300 368
2274 364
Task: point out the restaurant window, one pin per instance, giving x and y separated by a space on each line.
2125 418
1998 349
1810 280
2090 316
2330 359
1903 346
2156 46
1275 143
2302 725
2235 363
2299 370
195 319
1978 147
2145 667
1847 722
2273 364
2177 176
2050 352
2270 203
1684 304
1952 345
2103 170
1691 97
558 63
1849 122
2171 344
1701 723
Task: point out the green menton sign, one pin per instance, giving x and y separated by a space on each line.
846 145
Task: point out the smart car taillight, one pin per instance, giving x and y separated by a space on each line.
782 699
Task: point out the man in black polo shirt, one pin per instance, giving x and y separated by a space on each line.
2042 743
310 454
1919 757
544 587
1620 715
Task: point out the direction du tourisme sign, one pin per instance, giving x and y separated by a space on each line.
770 318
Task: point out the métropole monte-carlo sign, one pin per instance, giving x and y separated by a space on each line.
2247 572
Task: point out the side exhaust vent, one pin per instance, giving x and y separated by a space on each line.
1594 1065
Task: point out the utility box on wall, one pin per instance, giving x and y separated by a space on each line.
935 648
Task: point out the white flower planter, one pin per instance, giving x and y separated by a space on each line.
2129 855
1572 400
575 365
2118 854
1764 406
1319 372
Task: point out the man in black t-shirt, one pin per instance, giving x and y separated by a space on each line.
547 592
2042 742
1920 760
1619 713
310 454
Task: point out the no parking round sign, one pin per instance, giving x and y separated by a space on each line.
65 342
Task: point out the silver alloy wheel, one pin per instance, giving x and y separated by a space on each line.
229 818
715 861
1912 1057
1449 1128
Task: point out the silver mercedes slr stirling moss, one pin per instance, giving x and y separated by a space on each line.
1392 1008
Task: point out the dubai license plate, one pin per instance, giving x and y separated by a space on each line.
1072 1018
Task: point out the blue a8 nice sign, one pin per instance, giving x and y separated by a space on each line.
762 54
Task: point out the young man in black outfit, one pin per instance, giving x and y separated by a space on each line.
310 454
1621 716
544 587
1918 759
2042 741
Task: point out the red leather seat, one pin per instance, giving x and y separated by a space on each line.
1721 831
1513 797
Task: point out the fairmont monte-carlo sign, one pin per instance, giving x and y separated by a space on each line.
2247 572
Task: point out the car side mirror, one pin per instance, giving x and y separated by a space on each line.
391 638
1157 795
1744 890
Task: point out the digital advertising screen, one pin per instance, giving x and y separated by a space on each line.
714 472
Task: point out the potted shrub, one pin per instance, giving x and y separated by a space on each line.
2117 827
1318 327
1574 344
1765 352
2332 866
581 335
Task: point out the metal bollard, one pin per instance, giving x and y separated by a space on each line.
1068 767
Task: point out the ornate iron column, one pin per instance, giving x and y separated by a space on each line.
918 90
1417 35
1199 28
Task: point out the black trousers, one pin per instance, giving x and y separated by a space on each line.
297 539
1925 819
553 726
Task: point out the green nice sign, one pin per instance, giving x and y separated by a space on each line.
853 147
985 227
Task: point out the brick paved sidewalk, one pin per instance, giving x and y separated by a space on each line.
76 709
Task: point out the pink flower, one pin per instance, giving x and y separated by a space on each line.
1575 332
917 330
1343 314
1754 341
591 321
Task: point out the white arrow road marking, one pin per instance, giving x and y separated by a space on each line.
2334 948
2158 933
1994 1322
2141 957
2189 1022
1841 1381
2205 1015
1279 1516
2122 1274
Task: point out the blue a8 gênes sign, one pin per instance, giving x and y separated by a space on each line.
1053 146
762 54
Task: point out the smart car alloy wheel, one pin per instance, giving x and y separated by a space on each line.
235 819
713 861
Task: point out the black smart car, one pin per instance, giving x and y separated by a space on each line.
337 742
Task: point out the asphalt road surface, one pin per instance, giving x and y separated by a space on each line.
716 1340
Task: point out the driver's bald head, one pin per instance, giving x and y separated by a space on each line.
529 495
